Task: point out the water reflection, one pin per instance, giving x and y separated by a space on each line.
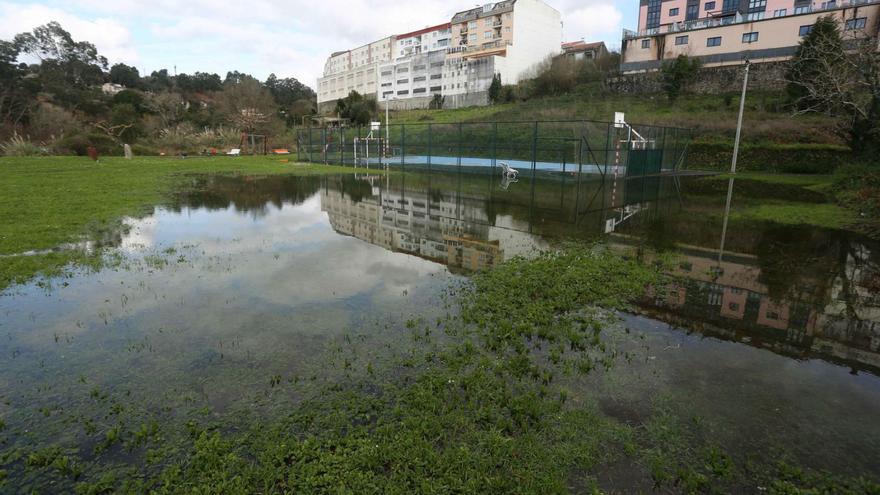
798 291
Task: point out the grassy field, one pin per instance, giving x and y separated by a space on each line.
48 202
712 117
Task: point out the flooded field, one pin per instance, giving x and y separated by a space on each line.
218 311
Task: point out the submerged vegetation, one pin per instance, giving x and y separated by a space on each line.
482 400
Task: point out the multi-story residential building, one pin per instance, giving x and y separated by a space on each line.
726 32
416 74
506 38
353 70
456 60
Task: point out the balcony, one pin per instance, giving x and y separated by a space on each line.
492 45
738 18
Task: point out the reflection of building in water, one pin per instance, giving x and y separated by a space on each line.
728 299
446 228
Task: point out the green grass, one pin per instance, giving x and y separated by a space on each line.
710 116
48 202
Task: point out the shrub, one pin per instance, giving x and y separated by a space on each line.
19 146
677 73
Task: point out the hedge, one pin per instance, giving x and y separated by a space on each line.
793 159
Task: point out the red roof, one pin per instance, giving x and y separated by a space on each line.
426 30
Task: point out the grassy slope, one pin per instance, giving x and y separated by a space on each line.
710 116
47 202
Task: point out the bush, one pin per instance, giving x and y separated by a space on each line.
792 159
19 146
857 187
77 144
677 73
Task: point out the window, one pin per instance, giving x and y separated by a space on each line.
710 6
716 41
859 23
435 89
646 43
805 30
404 92
403 81
419 67
419 79
802 10
436 76
750 37
681 40
487 35
472 25
386 72
401 70
673 12
386 85
419 90
780 13
472 37
692 12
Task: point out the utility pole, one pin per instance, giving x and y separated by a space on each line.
739 125
742 107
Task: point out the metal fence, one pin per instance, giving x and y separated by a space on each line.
535 147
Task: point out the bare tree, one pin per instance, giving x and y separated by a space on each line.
837 73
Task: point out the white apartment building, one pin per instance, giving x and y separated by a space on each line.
416 74
456 60
353 70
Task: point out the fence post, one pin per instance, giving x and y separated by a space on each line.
534 167
459 148
310 145
494 146
430 145
403 146
342 146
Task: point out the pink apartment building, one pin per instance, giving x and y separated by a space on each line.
726 32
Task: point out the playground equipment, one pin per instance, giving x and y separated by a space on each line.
508 171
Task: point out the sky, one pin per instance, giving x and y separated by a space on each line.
290 38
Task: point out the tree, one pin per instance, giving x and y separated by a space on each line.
17 97
437 102
69 71
294 99
677 73
160 80
125 75
130 97
495 89
247 104
358 108
169 107
840 77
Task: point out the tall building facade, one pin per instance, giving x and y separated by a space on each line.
726 32
455 60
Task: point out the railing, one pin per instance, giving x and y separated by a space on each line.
738 18
485 46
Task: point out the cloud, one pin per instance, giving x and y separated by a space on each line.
285 37
109 35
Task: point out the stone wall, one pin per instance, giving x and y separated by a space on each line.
769 76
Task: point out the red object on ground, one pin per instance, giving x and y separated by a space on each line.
92 152
213 151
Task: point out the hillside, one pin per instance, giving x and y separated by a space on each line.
773 139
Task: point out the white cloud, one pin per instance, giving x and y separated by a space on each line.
110 36
287 37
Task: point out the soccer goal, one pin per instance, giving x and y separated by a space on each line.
370 150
